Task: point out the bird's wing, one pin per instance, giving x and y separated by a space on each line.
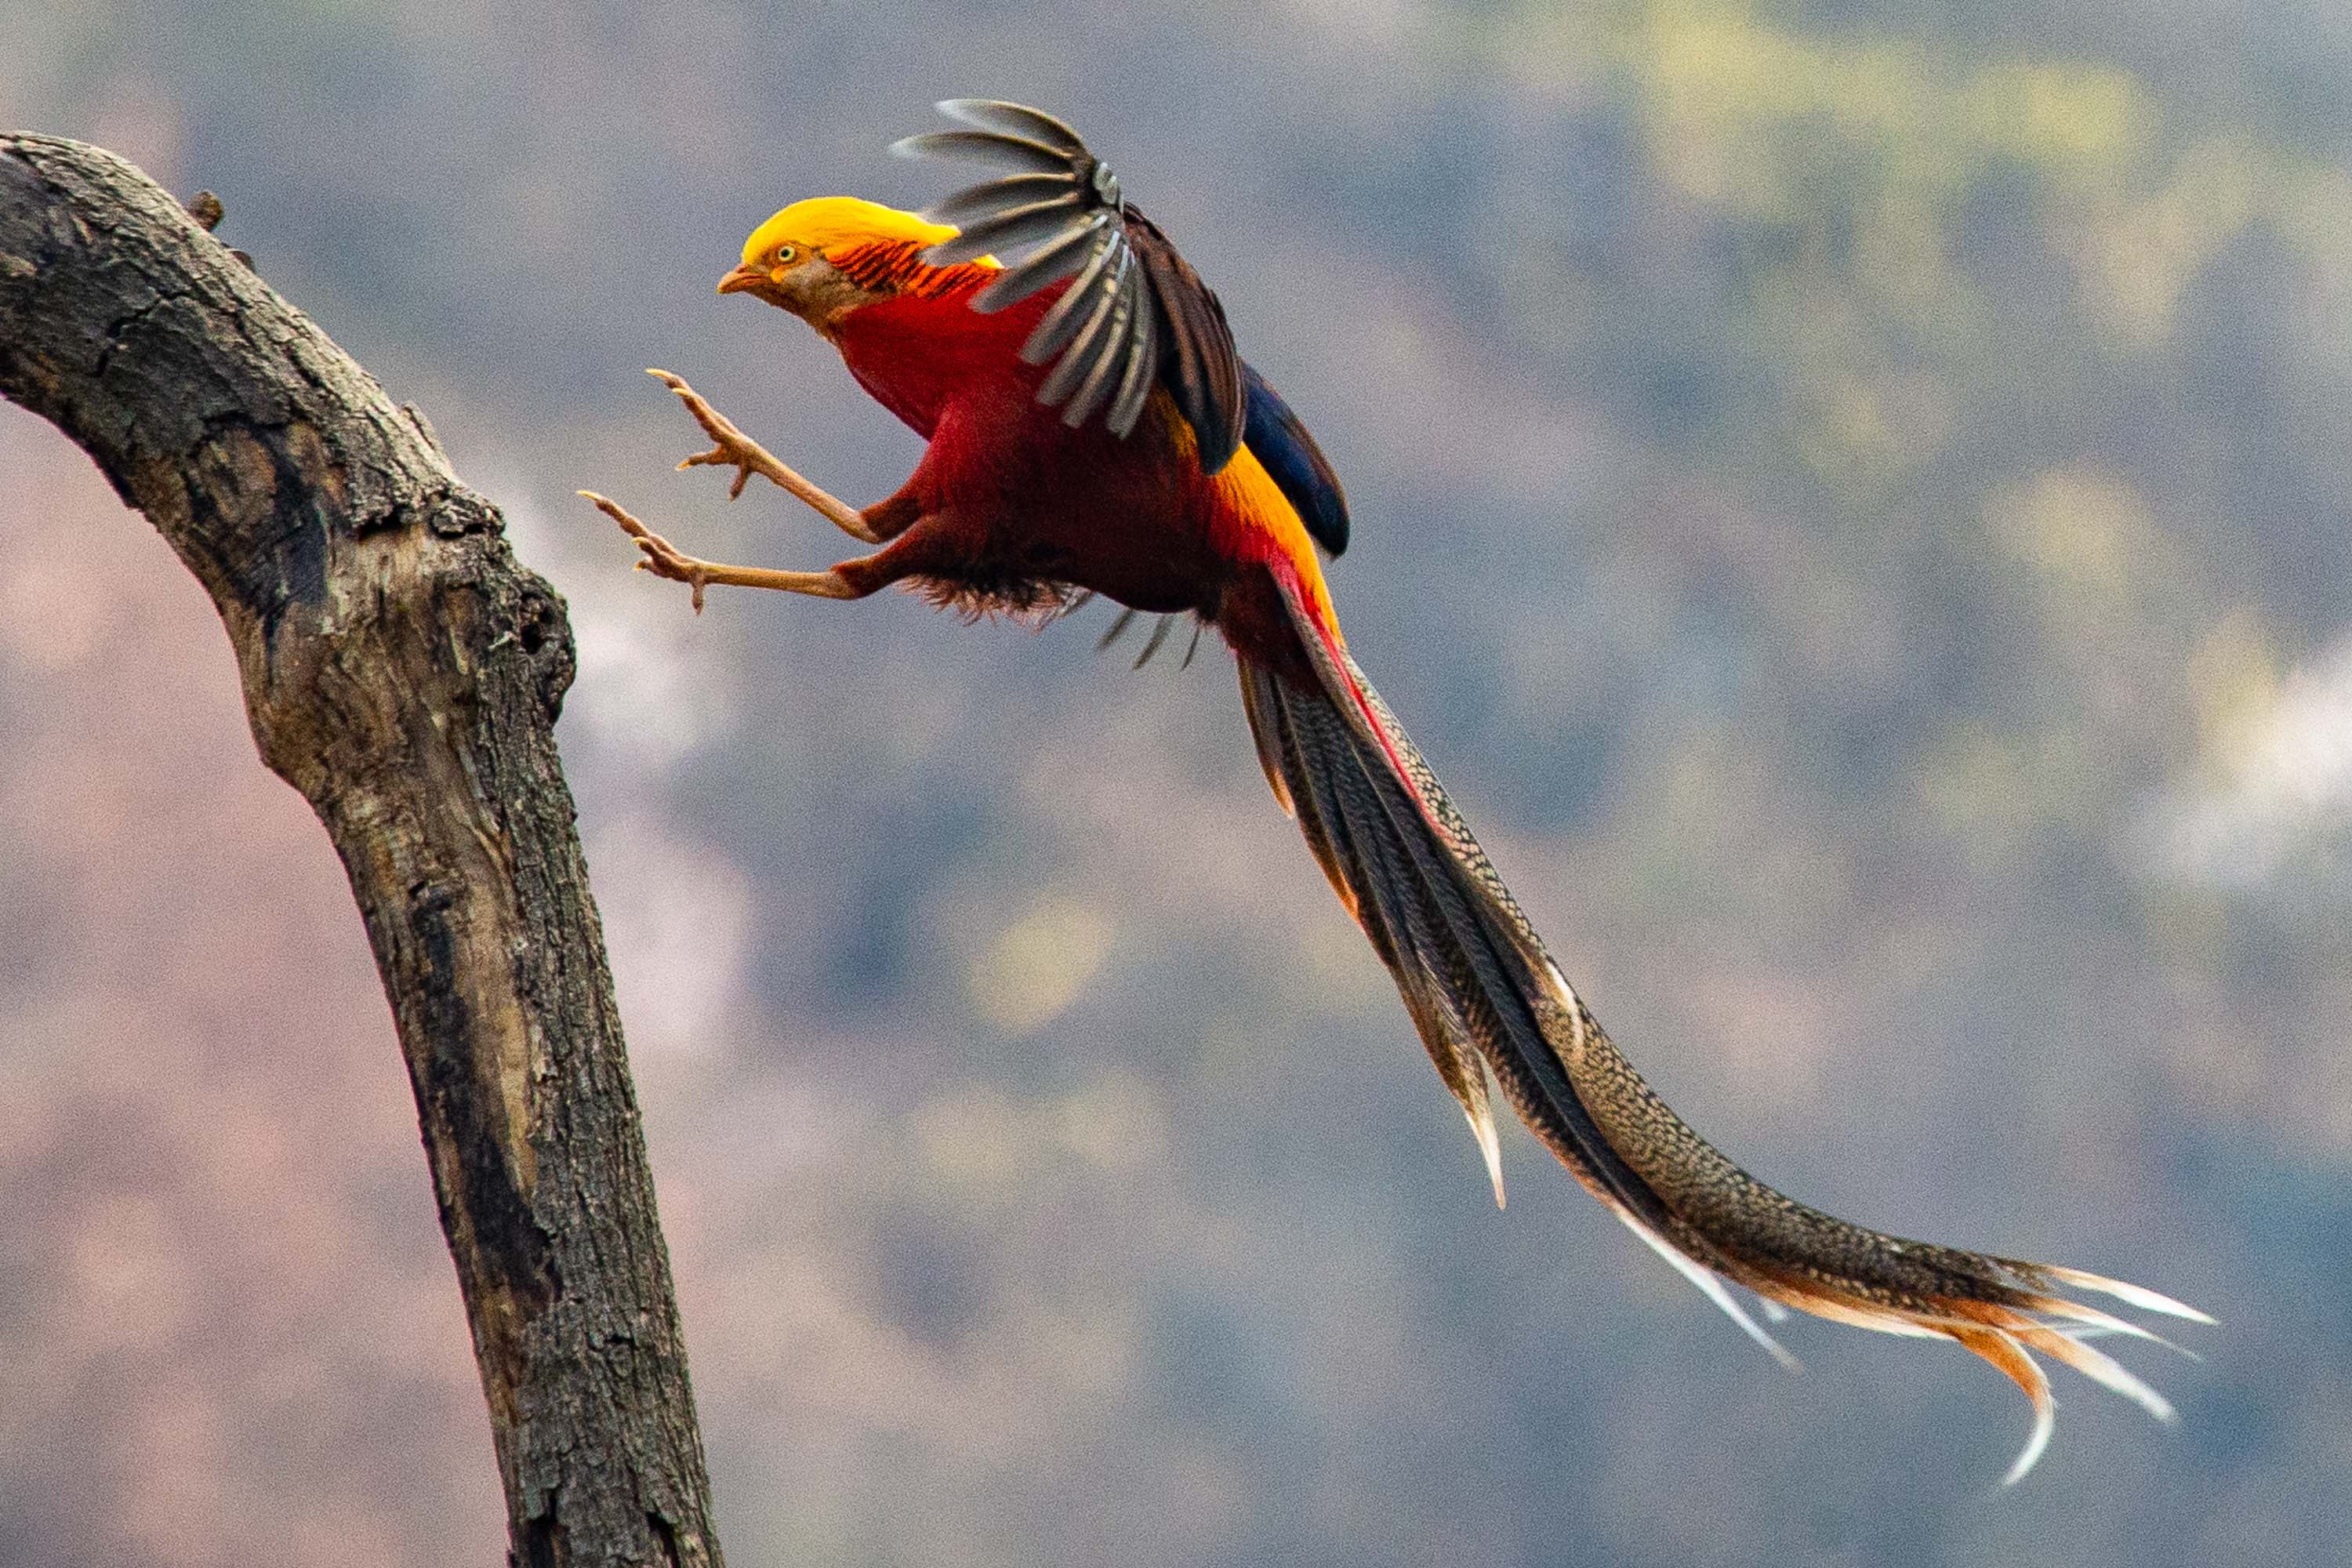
1488 1000
1296 464
1135 314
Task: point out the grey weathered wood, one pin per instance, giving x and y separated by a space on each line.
404 672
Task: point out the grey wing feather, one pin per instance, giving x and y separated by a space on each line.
1033 222
1078 359
1135 316
1070 312
1119 347
1135 381
1051 261
975 203
1012 120
984 147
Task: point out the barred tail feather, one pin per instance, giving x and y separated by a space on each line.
1491 1006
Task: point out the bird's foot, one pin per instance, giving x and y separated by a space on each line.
730 448
850 580
661 558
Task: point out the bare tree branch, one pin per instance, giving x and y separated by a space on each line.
404 672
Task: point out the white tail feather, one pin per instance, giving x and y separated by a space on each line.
2003 1350
2139 1296
2088 1322
1700 1275
2046 1422
1482 1128
2102 1369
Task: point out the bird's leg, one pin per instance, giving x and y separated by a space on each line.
849 580
734 449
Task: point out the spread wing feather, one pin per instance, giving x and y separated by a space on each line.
1135 314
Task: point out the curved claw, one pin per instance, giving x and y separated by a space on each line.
719 458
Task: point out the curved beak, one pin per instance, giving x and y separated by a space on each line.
742 278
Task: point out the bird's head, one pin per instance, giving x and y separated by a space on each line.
828 255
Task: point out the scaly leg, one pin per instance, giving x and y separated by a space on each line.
850 580
734 449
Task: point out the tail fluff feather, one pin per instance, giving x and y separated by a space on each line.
1491 1007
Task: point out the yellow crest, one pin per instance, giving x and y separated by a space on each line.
830 225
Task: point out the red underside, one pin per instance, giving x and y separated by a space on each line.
1012 499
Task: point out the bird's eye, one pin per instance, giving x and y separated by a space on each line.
784 254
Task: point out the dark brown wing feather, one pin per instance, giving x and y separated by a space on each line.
1135 315
1202 368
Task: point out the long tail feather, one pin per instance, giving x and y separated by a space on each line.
2009 1356
2139 1296
1491 1005
1712 1286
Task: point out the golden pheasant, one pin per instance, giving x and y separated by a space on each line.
1092 430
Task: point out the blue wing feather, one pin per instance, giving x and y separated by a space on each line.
1295 462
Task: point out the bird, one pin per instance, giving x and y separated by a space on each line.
1091 429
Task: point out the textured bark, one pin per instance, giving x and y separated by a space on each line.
404 672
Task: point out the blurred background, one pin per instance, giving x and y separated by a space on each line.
1854 495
